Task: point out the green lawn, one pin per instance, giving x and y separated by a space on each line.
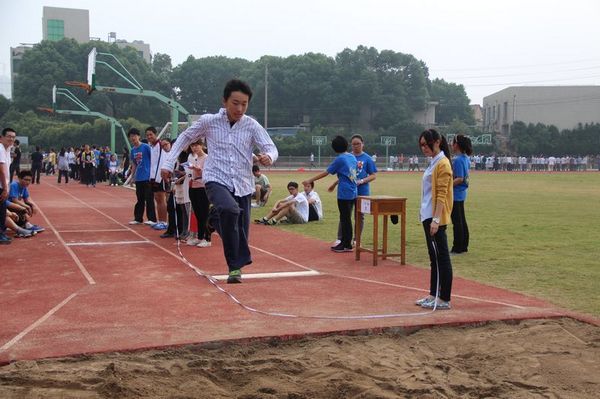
532 233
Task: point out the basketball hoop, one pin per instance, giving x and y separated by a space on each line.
45 109
81 85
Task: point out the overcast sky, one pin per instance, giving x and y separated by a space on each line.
486 46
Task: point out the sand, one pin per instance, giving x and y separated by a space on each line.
530 359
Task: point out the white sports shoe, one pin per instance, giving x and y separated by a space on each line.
336 243
203 244
149 222
134 222
192 241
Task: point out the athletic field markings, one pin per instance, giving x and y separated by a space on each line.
295 264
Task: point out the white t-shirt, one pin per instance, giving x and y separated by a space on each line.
155 164
318 205
301 205
5 164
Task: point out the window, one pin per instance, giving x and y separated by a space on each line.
56 29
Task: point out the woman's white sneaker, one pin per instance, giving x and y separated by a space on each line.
203 244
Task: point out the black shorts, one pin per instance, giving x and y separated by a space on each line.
158 187
312 213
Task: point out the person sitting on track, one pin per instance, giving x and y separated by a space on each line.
21 203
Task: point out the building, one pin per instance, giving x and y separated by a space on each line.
562 106
477 115
16 56
143 49
426 116
61 23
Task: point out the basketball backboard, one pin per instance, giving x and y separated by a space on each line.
91 71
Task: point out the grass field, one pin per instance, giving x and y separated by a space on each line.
532 233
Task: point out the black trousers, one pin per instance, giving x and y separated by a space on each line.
145 199
36 170
15 168
200 205
439 258
64 173
461 230
346 207
230 216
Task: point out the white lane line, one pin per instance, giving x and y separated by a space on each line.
82 268
39 321
301 266
282 258
423 290
91 231
223 277
82 244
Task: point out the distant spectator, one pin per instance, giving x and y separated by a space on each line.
262 187
15 165
37 161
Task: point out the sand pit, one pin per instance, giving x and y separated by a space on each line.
534 358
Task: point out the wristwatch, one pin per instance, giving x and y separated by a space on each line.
435 220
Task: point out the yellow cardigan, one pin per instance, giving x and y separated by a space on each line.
442 189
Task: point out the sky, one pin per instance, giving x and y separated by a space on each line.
485 46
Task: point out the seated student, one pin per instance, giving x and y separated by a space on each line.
294 207
262 188
19 196
15 222
315 207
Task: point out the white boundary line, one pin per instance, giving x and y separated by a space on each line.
36 323
91 231
75 244
223 277
82 268
295 263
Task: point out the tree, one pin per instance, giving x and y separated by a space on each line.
4 105
453 102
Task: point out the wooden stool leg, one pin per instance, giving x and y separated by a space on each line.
375 237
385 237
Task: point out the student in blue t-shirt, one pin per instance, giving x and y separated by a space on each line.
461 146
140 169
366 172
344 166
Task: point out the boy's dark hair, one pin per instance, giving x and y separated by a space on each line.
312 184
24 173
292 184
150 129
255 168
237 85
133 132
6 130
339 144
17 142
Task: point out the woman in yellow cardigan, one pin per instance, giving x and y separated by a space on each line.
436 208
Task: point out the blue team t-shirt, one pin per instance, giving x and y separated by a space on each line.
460 168
344 166
364 167
140 156
16 191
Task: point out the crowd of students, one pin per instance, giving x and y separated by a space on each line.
86 164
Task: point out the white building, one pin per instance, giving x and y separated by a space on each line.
562 106
59 23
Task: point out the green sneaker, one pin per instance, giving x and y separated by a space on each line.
235 277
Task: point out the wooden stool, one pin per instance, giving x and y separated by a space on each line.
380 205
